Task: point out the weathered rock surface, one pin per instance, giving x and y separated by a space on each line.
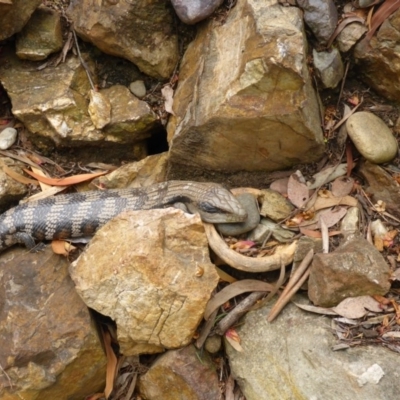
264 115
381 186
48 346
41 36
291 358
181 374
372 138
53 105
146 172
379 59
350 35
10 190
140 31
191 12
153 277
14 15
356 268
321 16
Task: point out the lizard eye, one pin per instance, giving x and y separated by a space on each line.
209 208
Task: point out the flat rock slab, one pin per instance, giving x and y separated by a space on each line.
291 358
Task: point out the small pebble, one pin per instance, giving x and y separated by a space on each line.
213 344
138 89
249 203
7 138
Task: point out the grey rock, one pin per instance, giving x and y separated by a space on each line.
356 268
8 137
321 16
350 222
291 358
249 203
192 11
329 67
138 88
372 138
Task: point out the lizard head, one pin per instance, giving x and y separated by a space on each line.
215 204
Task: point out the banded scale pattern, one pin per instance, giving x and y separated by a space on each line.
81 214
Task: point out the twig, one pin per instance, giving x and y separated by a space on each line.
295 282
238 311
84 65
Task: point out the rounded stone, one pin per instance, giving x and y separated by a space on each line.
213 344
249 203
138 89
372 138
8 137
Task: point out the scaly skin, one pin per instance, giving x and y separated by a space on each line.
81 214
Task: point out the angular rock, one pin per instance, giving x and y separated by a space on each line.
191 11
249 203
180 374
41 36
275 206
321 16
153 277
379 60
143 32
131 118
329 67
49 348
356 268
14 15
146 172
264 115
381 186
53 105
291 358
372 138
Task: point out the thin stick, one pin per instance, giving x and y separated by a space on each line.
84 65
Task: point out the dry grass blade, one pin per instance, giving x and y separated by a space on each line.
234 289
295 282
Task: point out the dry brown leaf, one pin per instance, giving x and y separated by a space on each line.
43 186
330 217
71 180
112 363
298 192
280 186
168 94
315 309
234 289
342 25
357 307
18 177
326 200
342 186
224 276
